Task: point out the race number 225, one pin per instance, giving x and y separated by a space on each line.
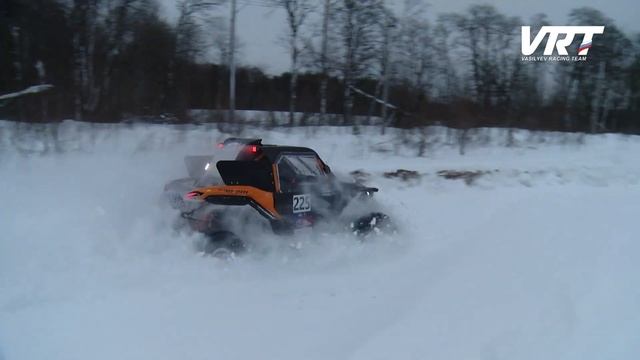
301 203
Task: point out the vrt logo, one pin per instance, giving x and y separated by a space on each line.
529 47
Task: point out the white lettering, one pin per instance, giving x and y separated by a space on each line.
529 47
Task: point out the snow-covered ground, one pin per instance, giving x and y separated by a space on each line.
537 258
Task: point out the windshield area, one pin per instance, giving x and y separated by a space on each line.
294 169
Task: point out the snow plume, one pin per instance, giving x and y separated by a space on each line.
91 266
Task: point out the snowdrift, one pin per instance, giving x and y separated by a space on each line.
536 258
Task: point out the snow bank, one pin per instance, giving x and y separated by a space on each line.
535 260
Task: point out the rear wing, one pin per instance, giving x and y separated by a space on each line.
246 173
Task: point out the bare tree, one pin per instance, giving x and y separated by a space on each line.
445 76
221 45
85 19
414 47
358 30
297 11
17 62
192 17
320 52
487 39
388 33
324 61
600 83
94 21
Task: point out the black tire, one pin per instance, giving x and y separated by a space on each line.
224 245
373 223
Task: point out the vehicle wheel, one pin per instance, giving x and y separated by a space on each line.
223 245
374 223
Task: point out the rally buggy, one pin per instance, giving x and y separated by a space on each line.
286 187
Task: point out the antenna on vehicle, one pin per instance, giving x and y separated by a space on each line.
242 141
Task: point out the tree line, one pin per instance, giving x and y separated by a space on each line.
110 60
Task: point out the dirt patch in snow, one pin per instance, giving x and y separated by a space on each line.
469 177
402 174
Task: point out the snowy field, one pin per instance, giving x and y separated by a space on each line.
536 258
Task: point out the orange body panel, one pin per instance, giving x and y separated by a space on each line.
261 197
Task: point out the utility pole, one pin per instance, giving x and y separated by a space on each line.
323 61
386 53
232 64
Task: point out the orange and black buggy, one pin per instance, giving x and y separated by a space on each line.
248 187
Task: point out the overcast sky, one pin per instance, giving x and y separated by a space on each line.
259 28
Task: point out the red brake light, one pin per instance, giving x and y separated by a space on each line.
220 146
191 195
254 149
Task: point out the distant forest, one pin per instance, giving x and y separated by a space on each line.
111 60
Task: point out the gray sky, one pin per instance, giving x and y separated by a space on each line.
260 28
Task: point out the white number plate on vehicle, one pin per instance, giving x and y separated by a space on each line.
301 203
